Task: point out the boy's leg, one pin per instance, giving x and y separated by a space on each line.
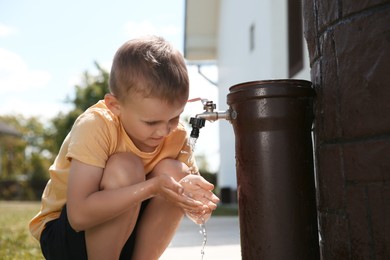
106 241
161 218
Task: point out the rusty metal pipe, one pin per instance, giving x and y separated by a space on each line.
275 173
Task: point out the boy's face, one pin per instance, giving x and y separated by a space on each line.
147 121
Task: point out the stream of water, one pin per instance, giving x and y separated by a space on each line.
195 219
204 233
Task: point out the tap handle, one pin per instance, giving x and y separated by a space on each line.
209 106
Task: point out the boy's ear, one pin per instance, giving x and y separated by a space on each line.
112 103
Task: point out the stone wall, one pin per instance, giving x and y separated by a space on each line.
349 48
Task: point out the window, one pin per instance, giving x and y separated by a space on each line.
295 37
252 37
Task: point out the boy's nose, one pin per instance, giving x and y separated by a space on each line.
164 130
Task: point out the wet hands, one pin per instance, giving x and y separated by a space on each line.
193 194
197 188
173 191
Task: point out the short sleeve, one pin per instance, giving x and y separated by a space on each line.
90 140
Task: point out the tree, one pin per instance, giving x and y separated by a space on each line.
28 157
39 174
23 158
90 91
17 149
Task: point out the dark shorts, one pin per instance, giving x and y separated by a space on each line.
60 241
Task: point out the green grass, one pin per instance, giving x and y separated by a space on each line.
15 239
226 210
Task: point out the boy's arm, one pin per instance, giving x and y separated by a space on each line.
89 206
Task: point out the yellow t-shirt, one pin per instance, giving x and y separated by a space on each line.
96 135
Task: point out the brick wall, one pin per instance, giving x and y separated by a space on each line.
349 48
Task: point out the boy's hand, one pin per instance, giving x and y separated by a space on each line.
197 188
172 191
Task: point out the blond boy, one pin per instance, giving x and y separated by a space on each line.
118 186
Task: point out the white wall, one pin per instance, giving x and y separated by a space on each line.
237 63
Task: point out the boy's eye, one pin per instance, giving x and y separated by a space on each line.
154 123
151 123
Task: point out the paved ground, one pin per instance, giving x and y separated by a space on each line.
223 241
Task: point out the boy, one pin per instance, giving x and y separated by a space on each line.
122 180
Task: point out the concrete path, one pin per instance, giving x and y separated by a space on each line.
223 241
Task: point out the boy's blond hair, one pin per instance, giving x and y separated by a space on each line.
149 66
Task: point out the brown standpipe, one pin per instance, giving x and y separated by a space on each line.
274 163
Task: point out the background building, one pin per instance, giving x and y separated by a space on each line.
247 40
349 50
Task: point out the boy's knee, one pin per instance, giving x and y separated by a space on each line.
122 169
171 167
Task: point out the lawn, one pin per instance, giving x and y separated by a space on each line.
15 239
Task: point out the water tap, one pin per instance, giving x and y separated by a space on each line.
209 114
